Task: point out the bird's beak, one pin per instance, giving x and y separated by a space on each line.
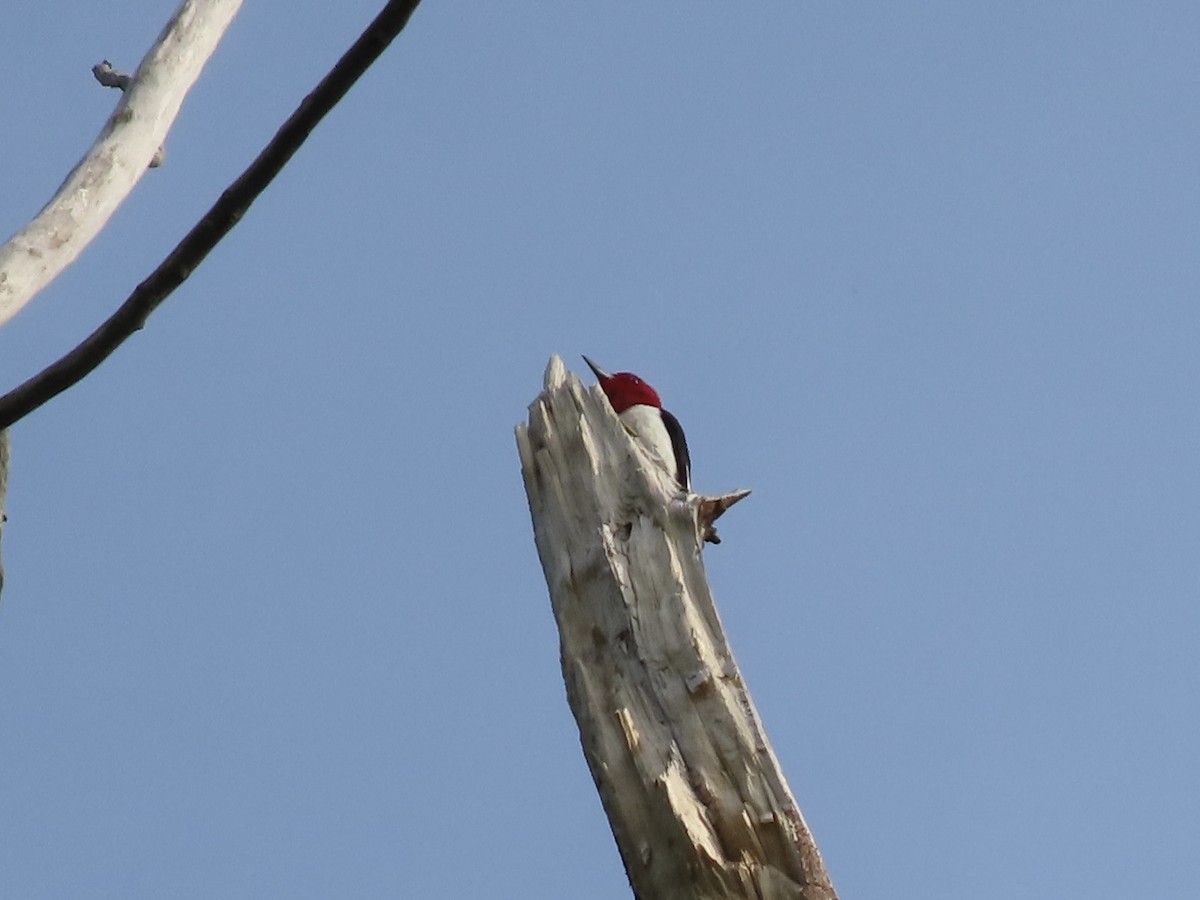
600 373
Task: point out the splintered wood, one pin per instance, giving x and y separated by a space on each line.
692 789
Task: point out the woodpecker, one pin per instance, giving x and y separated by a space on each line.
641 412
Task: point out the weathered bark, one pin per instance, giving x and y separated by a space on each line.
692 789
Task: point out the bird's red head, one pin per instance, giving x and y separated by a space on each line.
625 389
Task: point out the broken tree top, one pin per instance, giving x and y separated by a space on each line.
697 801
641 458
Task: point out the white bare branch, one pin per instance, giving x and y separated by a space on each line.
135 131
110 77
694 793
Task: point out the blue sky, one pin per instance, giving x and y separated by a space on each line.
924 278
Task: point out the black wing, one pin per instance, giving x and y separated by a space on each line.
683 462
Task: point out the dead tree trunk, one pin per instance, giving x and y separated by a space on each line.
692 789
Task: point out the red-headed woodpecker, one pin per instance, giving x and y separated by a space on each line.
640 411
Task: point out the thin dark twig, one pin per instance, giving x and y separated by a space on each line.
217 222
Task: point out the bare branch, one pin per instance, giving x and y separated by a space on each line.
35 255
217 222
110 77
712 508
